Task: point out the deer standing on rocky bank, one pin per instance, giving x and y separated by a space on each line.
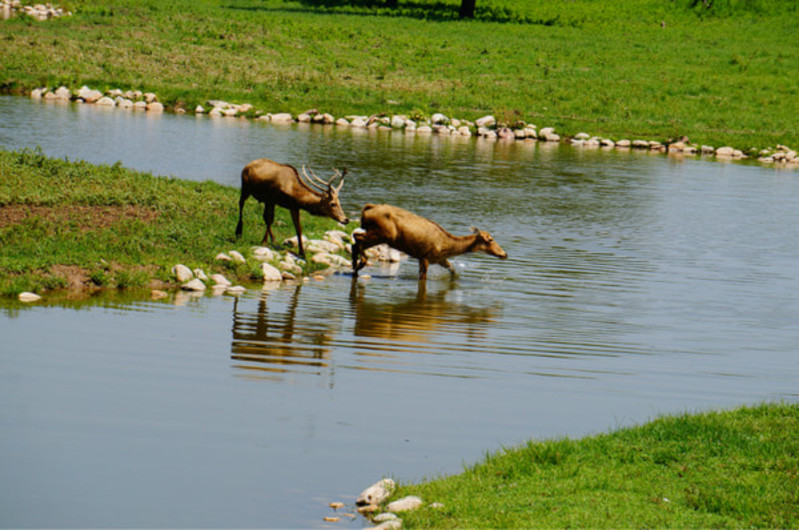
277 184
418 237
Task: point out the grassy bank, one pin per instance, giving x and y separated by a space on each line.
713 470
73 224
652 69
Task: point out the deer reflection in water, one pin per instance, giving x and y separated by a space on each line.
286 335
419 318
278 341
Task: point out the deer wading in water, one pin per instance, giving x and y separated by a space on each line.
276 184
418 237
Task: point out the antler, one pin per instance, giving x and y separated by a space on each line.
341 175
320 184
313 184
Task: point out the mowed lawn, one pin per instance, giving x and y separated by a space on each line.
649 69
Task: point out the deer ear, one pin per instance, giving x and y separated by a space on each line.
474 230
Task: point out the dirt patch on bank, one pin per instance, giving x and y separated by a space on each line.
85 217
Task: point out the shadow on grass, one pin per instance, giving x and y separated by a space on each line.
432 11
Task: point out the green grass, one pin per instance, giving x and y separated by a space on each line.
720 469
118 227
653 69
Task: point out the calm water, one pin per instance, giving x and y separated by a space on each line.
636 285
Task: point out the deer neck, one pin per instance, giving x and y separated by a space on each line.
310 202
461 245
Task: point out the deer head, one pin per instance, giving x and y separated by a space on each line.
329 201
484 242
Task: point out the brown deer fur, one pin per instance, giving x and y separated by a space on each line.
418 237
277 184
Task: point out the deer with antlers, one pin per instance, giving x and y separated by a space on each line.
277 184
418 237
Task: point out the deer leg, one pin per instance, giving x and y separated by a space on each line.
422 268
269 217
295 217
446 263
242 199
363 241
356 254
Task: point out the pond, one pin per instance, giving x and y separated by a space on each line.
637 285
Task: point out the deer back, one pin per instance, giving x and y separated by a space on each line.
413 234
266 179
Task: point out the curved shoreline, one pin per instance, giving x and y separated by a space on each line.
487 127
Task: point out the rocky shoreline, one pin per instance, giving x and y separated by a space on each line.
485 127
10 8
276 266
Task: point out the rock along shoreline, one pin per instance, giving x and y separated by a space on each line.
332 252
486 127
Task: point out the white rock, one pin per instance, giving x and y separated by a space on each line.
106 101
263 254
304 118
235 290
29 297
398 122
155 107
199 109
223 257
385 516
506 133
337 236
282 117
199 273
320 245
394 524
333 260
342 122
292 241
194 285
548 134
271 274
486 121
725 152
411 502
182 273
149 97
623 143
236 256
63 92
88 95
424 129
582 136
218 279
376 493
217 290
289 266
464 130
358 122
386 253
439 119
37 93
